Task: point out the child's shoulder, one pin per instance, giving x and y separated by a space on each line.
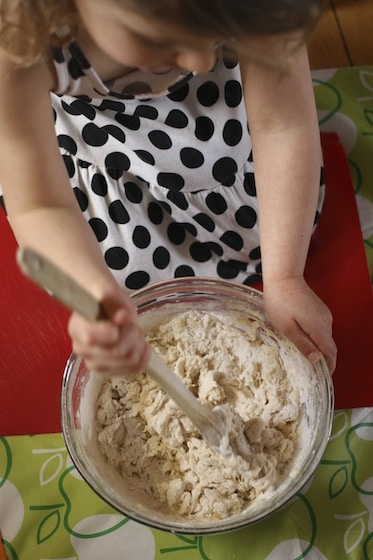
36 77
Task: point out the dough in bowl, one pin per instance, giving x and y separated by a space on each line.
161 455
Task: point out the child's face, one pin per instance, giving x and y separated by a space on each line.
137 42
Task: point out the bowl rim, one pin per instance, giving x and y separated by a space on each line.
200 528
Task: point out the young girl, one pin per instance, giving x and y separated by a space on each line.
142 109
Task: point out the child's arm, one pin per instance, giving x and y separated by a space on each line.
287 159
44 215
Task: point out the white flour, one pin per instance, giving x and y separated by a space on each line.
161 456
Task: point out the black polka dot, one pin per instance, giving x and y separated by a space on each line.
79 56
115 173
118 161
229 182
233 240
111 105
252 279
232 132
233 93
79 107
116 258
146 112
208 94
179 94
99 228
118 212
191 158
249 184
68 143
171 181
178 199
226 271
131 122
190 228
85 98
176 119
180 82
94 135
99 184
133 192
205 221
145 156
200 252
183 271
216 203
215 248
161 258
155 213
137 280
166 206
224 168
69 164
115 132
176 234
255 254
82 199
230 269
141 237
246 217
69 108
57 54
204 128
258 268
160 139
75 69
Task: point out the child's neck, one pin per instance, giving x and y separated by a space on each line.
106 67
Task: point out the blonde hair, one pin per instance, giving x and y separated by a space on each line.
29 27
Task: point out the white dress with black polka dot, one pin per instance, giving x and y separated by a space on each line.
161 167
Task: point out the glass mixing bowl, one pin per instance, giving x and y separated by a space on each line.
155 304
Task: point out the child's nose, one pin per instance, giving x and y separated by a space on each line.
196 61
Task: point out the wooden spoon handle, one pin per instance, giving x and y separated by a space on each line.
59 284
77 298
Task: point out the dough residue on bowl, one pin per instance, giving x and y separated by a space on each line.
160 454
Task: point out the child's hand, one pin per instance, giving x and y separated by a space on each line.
115 346
302 317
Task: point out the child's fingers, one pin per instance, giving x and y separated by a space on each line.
328 348
85 333
118 307
313 345
116 365
107 347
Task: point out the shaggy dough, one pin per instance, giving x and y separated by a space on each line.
160 454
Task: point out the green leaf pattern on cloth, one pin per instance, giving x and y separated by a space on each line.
344 100
48 512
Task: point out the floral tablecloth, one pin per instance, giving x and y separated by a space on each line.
48 512
344 99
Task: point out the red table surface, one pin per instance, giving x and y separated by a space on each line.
34 344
